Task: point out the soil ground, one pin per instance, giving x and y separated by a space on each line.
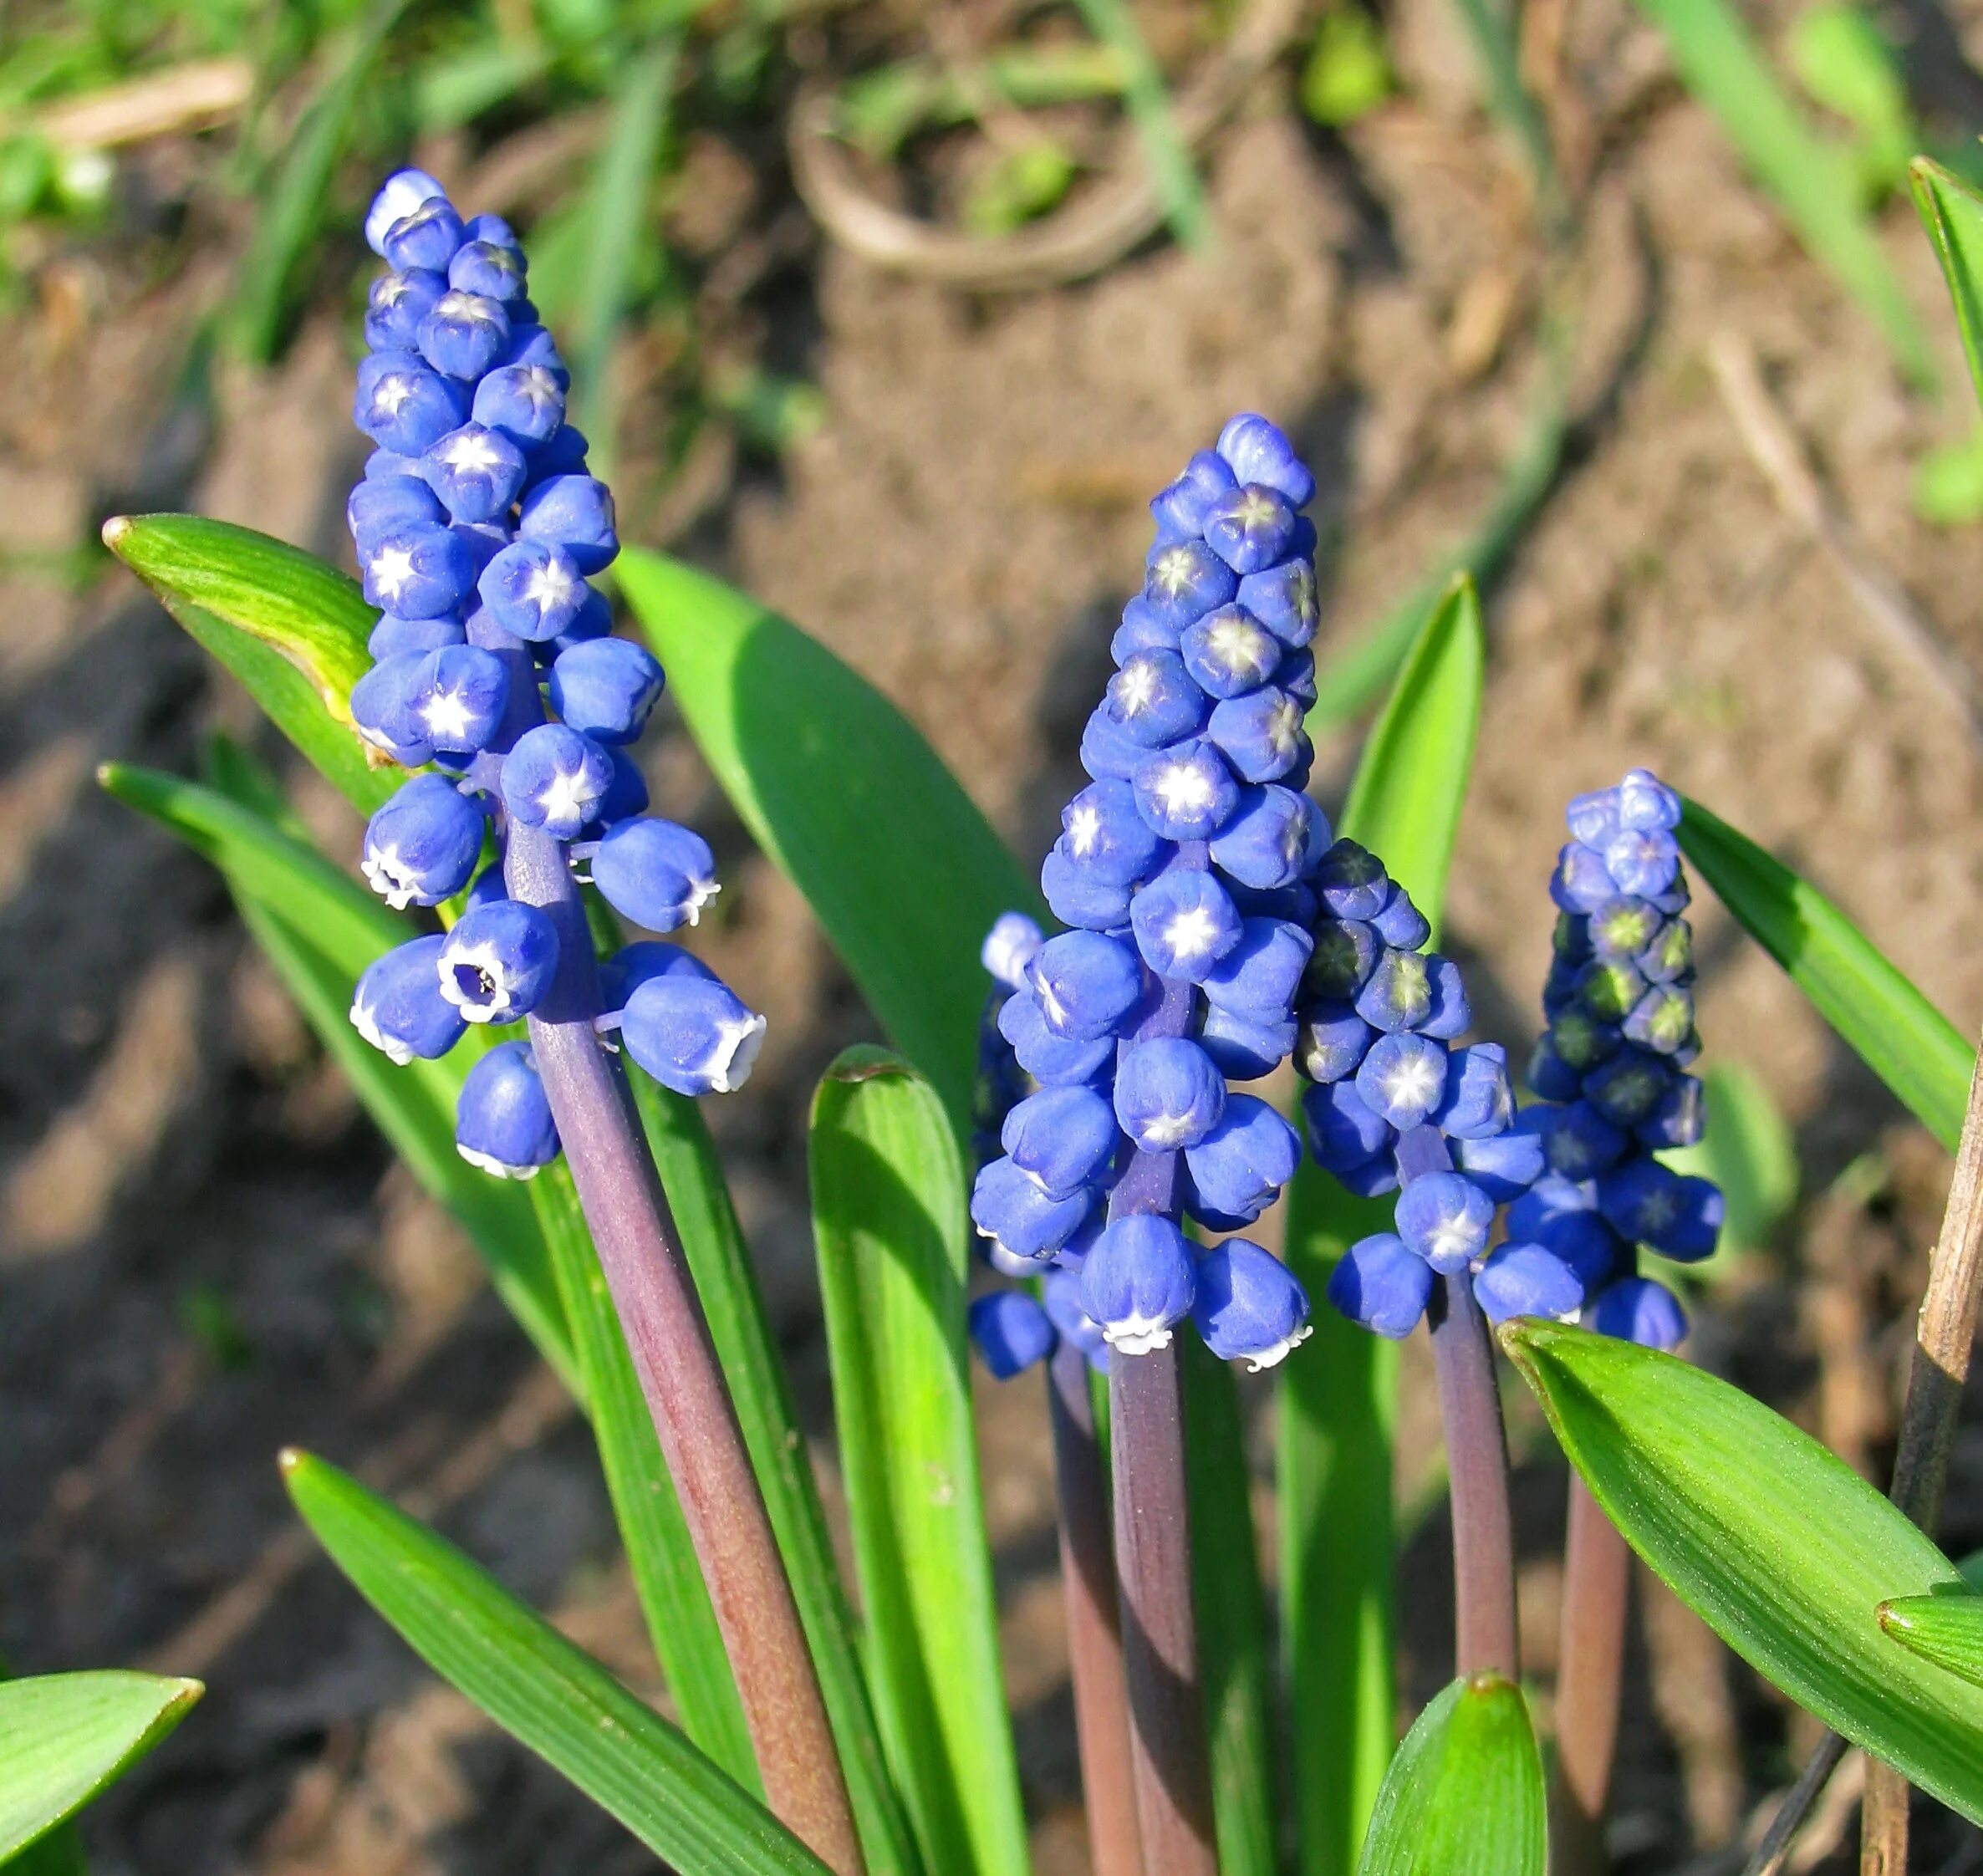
205 1252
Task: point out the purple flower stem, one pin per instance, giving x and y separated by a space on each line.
1094 1623
1168 1755
634 1231
1596 1595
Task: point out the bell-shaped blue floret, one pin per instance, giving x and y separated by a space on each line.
1185 922
1352 881
1238 1169
1256 449
383 709
1169 1093
1580 1143
1078 895
533 589
474 472
1505 1166
418 571
625 795
1138 1281
1283 600
396 305
1250 528
464 335
498 962
393 637
1642 861
426 236
404 405
634 965
490 269
1399 923
1064 1139
1086 984
1008 1206
1249 1306
1259 977
1332 1042
1637 1309
1229 653
397 1005
1244 1050
1680 1118
605 687
1449 1015
384 505
503 1117
1679 1215
691 1034
1140 631
1102 831
1051 1060
1627 1089
1662 1020
1403 1079
1526 1280
1397 996
1181 509
1261 735
555 779
1108 752
1445 1217
398 195
1343 1130
421 847
1272 839
1343 955
1154 699
575 512
1186 792
657 873
462 693
1010 1332
1379 1283
1478 1102
1011 944
523 402
1060 1293
1185 580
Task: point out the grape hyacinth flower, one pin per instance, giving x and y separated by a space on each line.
476 528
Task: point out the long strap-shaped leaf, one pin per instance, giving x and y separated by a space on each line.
64 1737
537 1685
843 792
731 1302
1465 1791
1953 214
1339 1392
292 628
888 1219
1887 1023
319 930
1783 1550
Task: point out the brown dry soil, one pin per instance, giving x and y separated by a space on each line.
204 1252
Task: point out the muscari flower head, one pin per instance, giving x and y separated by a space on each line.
1577 1170
1105 1116
477 529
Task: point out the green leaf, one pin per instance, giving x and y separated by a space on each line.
1781 1549
1348 74
1465 1791
1952 212
681 1621
292 628
888 1216
319 929
65 1738
1748 1150
1234 1656
536 1686
1844 61
1888 1023
1491 29
1164 150
1813 183
1945 1630
1338 1392
845 795
748 1354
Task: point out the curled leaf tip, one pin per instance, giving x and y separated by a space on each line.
1893 1620
289 1460
114 530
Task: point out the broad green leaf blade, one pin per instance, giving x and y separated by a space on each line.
1888 1023
1952 212
1784 1550
843 791
888 1219
292 628
1813 183
537 1686
1945 1630
1338 1392
762 1392
319 929
65 1737
1234 1656
681 1621
1465 1791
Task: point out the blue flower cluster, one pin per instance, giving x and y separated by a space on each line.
1611 1074
1395 1104
1182 871
478 529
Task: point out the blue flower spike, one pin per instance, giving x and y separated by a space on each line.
1104 1119
477 529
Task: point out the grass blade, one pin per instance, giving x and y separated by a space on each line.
66 1737
1234 1656
537 1686
1465 1791
1172 171
1952 212
1813 183
681 1622
1338 1397
889 1210
1880 1016
758 1386
817 763
1782 1549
